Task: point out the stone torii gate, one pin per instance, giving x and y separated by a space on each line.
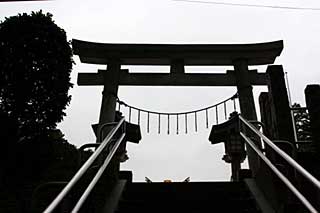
240 56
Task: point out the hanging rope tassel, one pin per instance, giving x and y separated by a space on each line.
217 116
186 122
159 124
195 122
148 122
207 119
225 110
168 124
177 124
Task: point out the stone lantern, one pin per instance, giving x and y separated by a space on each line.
228 133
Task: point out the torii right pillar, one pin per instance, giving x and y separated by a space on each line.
247 106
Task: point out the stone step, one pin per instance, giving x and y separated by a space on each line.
187 197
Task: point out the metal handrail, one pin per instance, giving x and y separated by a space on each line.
89 145
97 176
279 174
82 148
84 168
35 198
286 157
258 123
101 127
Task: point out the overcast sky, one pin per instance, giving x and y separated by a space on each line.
173 156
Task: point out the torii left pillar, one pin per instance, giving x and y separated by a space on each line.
247 106
108 108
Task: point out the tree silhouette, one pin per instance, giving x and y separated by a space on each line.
35 66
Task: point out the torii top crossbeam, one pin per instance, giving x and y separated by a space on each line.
190 54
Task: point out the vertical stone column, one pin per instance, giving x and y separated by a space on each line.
109 94
266 114
276 115
235 167
247 105
108 109
177 66
280 108
268 119
312 93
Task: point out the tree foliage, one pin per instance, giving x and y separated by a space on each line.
302 122
35 66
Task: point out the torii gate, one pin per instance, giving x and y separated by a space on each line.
177 56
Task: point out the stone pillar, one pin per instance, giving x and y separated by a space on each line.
267 118
177 66
266 179
108 109
235 167
276 116
247 105
244 87
266 114
312 93
109 94
280 108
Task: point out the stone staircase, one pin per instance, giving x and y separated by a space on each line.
187 197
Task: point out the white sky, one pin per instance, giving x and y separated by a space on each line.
175 157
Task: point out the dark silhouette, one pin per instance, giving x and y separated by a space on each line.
35 66
9 139
47 157
36 61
